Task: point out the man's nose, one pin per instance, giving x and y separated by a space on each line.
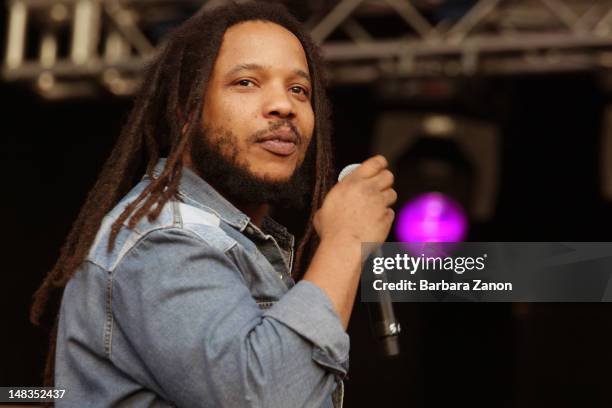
278 103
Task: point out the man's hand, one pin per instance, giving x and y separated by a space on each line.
357 208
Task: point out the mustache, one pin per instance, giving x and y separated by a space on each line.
274 126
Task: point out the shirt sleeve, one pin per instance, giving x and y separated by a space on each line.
185 309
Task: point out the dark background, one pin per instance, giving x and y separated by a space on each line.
494 355
481 354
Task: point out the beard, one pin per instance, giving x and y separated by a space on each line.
214 155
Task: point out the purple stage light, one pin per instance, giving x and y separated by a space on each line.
431 217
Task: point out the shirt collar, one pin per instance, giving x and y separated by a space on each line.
195 189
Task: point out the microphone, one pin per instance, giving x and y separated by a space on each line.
347 170
381 314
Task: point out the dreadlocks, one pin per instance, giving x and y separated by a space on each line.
165 115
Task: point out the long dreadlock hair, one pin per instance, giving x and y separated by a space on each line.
176 82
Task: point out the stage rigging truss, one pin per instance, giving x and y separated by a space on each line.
82 47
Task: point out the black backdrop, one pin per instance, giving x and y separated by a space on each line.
493 355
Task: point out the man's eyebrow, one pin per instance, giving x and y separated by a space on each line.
256 67
303 74
244 67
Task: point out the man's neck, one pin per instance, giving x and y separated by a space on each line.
256 212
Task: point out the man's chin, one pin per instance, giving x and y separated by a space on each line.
251 179
274 176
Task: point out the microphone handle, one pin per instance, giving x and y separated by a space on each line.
382 317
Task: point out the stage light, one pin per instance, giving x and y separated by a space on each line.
446 171
431 217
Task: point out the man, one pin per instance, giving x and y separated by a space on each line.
182 294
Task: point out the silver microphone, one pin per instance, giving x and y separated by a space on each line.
347 170
385 326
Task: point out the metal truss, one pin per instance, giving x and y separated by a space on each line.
81 47
488 37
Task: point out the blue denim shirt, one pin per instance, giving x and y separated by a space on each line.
196 309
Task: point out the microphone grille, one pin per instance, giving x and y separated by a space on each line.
347 170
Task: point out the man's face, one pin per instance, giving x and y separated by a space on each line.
257 107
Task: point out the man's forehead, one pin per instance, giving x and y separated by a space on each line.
261 45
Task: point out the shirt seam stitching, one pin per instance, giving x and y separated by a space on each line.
108 332
186 198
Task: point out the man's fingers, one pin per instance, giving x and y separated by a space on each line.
371 167
384 180
390 214
390 196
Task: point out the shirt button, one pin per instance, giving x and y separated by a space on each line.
281 276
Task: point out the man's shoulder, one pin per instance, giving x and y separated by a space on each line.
191 218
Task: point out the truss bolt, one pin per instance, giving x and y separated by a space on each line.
125 18
46 81
58 13
110 75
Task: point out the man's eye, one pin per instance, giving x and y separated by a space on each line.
298 90
245 82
